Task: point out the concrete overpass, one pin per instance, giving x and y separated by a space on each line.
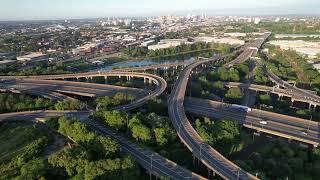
189 136
291 93
75 88
249 50
160 83
277 124
311 98
154 67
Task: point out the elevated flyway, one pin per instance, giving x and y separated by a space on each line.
154 67
250 50
75 88
204 152
160 83
151 161
279 125
311 98
40 93
292 93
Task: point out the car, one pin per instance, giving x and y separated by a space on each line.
264 122
304 133
241 108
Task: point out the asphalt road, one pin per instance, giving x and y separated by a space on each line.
279 125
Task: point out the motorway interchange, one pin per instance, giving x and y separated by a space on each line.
284 126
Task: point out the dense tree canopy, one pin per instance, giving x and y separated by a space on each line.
174 51
70 105
93 156
118 99
14 102
234 94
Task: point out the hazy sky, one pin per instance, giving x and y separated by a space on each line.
60 9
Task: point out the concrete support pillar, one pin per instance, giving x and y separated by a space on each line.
88 79
310 106
280 97
106 79
150 81
194 160
145 80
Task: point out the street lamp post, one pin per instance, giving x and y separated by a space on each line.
309 124
151 161
201 149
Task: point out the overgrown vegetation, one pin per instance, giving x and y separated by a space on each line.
289 65
92 157
107 102
266 157
21 151
224 135
20 102
149 130
179 50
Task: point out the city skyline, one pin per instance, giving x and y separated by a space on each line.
47 10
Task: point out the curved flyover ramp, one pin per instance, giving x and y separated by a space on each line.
204 152
160 83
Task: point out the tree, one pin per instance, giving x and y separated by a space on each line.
33 169
265 99
226 130
218 85
160 135
118 99
69 105
75 130
234 94
115 119
141 133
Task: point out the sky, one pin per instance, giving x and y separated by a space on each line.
73 9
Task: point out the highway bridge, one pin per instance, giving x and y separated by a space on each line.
309 97
151 161
160 83
279 125
189 136
249 50
29 86
292 93
40 93
154 67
